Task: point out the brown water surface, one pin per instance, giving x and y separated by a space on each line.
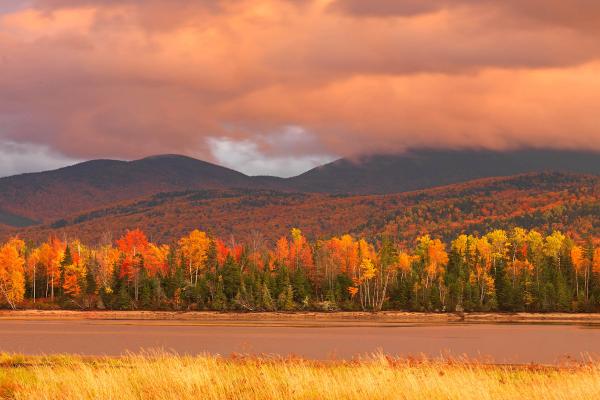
506 343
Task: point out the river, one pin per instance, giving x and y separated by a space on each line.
500 343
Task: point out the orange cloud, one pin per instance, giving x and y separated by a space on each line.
130 78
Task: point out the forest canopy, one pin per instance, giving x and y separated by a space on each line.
516 270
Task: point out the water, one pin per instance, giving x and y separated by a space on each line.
502 343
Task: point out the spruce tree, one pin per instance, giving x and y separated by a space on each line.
66 261
90 281
266 301
285 301
145 298
219 302
230 274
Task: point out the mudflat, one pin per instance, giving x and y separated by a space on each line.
308 317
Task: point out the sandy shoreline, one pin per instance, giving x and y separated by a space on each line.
383 317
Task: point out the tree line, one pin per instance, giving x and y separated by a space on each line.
517 270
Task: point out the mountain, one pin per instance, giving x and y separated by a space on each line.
45 196
545 201
41 198
422 169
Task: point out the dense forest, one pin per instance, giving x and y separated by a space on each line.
516 270
546 202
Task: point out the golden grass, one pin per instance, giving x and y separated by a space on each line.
165 376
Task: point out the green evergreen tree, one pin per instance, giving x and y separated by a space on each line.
231 277
220 300
301 287
266 301
145 290
212 263
66 261
285 301
90 279
123 299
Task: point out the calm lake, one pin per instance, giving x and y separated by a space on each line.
502 343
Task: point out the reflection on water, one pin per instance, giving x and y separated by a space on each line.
506 343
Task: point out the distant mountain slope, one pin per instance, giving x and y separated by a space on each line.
49 195
422 169
544 201
10 219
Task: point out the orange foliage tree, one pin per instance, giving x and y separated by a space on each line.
50 256
12 272
133 245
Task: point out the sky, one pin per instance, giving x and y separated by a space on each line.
279 86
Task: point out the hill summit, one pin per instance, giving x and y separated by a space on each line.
29 199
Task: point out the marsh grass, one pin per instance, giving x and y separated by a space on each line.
159 375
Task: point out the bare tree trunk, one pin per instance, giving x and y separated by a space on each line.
5 293
34 268
383 292
587 285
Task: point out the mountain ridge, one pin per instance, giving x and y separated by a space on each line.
543 201
44 197
426 168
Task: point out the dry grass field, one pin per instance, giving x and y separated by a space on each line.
166 376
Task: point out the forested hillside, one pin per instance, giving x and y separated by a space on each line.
547 202
41 198
427 168
50 195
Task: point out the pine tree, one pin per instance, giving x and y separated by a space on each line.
90 281
285 301
231 277
145 298
122 300
66 261
266 302
301 286
220 300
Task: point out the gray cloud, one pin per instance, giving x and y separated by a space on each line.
17 158
125 79
289 152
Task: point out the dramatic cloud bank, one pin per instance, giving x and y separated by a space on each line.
228 80
18 158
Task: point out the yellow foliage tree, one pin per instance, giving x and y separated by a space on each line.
578 260
194 248
12 272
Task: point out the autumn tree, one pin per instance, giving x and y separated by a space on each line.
300 254
433 259
596 263
194 249
50 256
107 257
12 272
282 252
476 254
499 248
133 246
553 247
578 261
517 270
33 261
